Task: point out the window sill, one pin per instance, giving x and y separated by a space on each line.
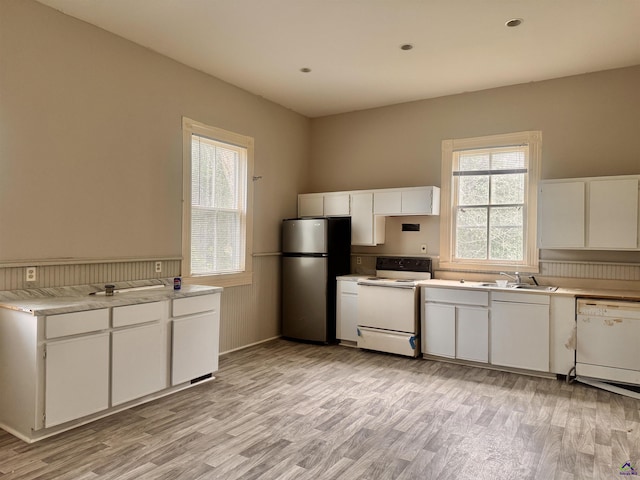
487 267
226 280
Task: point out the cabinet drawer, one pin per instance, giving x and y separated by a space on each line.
518 297
190 305
135 314
456 296
76 322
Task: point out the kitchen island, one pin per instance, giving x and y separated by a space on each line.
71 355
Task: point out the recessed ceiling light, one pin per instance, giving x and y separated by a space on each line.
514 22
305 70
406 46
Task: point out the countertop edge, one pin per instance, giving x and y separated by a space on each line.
55 305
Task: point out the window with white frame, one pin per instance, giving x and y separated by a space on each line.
489 202
217 191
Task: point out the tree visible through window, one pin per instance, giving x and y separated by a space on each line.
490 190
217 206
217 198
489 202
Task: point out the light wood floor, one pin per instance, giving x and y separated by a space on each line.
284 410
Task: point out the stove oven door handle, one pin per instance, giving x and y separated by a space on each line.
386 284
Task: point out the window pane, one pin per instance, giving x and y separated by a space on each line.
228 245
226 177
473 190
473 161
471 233
203 234
507 188
217 196
508 160
506 233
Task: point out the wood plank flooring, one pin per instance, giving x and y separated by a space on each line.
284 410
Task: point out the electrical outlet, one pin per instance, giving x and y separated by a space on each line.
358 260
423 248
30 274
158 267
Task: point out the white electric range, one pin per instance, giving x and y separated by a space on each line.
388 310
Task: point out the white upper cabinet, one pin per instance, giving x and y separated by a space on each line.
599 213
407 201
613 214
561 215
332 204
311 205
387 202
336 204
366 228
368 208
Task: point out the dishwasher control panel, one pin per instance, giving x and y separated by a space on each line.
608 308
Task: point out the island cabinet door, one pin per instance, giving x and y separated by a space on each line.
76 378
139 362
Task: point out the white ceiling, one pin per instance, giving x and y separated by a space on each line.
353 46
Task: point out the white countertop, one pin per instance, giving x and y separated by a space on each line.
52 301
633 295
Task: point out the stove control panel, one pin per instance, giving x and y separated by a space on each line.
404 264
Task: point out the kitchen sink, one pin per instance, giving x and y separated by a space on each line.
520 286
540 288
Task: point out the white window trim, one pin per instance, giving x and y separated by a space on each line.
531 138
190 127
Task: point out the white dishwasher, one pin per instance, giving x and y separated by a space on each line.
608 333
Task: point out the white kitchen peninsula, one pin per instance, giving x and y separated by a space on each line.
68 357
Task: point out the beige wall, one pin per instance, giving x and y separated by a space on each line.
589 125
90 154
91 162
91 145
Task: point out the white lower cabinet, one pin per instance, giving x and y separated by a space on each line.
195 332
562 339
139 362
520 330
455 324
76 378
347 310
138 351
439 330
472 335
67 369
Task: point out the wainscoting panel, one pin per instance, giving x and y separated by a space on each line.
63 275
590 270
251 313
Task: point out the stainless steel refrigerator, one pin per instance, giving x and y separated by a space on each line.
314 252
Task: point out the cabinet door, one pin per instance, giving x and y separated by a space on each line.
310 205
336 205
347 310
365 229
387 203
520 335
613 213
139 362
439 330
76 378
195 345
561 215
417 201
472 334
562 325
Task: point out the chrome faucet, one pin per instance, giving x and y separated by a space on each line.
515 276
